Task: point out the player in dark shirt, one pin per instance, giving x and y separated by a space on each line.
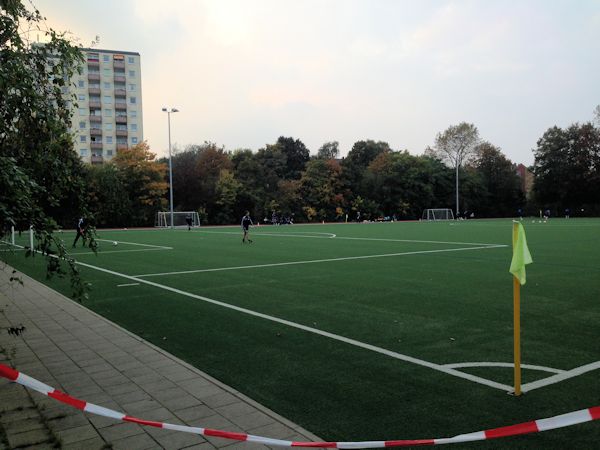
246 222
80 230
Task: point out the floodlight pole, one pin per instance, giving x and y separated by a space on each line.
169 111
457 208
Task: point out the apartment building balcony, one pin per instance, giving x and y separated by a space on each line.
121 147
93 63
94 76
119 78
121 119
97 159
121 133
94 90
95 104
95 131
120 92
118 64
121 105
96 145
95 119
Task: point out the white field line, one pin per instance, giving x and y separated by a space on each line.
128 284
104 252
315 261
561 376
336 337
359 238
162 247
501 364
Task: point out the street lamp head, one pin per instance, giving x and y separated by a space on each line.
174 110
164 109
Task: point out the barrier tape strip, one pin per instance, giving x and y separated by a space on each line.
564 420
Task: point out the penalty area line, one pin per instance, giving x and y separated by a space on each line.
316 261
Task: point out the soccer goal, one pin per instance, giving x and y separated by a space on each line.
438 214
163 219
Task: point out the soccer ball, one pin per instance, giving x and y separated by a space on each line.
114 242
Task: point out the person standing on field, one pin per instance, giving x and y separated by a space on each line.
80 231
246 222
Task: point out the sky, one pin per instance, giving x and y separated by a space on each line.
244 72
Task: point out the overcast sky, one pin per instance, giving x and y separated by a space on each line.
244 72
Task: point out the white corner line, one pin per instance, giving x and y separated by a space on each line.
561 376
502 364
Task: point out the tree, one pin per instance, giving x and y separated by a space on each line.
226 191
329 150
107 196
567 167
597 115
358 159
144 182
296 156
321 188
42 178
456 146
501 185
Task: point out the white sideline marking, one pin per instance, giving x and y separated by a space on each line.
337 337
359 238
561 376
501 364
313 261
128 284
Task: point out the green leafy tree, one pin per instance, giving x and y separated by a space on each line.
296 156
227 190
42 178
355 164
501 188
456 146
144 181
107 196
321 188
567 168
329 150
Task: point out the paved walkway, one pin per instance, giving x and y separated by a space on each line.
78 352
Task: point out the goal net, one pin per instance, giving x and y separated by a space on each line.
438 214
163 219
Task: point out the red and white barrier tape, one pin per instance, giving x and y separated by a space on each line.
564 420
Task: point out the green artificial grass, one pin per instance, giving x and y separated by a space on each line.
431 301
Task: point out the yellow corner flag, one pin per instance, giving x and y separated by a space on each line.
521 255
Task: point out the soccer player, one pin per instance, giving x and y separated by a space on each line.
246 222
80 231
188 220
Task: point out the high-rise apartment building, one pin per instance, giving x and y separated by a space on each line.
108 117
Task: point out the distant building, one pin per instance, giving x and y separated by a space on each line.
526 177
108 116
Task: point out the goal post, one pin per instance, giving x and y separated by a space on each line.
438 214
163 219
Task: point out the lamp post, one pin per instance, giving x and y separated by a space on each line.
169 111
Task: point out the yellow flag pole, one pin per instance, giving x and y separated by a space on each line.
517 322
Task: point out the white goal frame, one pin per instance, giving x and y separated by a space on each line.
163 219
437 214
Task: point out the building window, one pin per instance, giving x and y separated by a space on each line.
133 113
83 112
108 113
133 127
83 152
82 139
81 83
109 139
81 97
134 140
108 152
82 125
107 100
132 73
132 87
132 100
131 60
105 58
106 85
108 127
107 72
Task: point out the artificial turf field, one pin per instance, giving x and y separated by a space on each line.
368 331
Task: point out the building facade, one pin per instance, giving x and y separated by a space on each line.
108 116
